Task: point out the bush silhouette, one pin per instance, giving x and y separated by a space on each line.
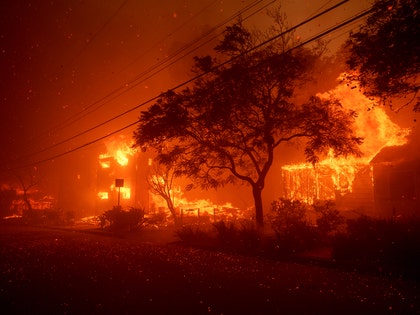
120 220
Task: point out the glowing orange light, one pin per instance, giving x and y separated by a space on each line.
120 151
125 192
103 195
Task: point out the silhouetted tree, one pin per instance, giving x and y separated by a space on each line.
227 125
27 183
385 51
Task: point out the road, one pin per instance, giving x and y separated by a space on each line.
67 272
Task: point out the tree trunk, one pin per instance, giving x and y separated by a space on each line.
171 208
259 215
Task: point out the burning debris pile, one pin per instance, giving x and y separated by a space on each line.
349 181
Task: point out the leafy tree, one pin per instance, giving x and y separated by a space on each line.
385 51
226 126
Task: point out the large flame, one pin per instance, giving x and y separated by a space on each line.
333 176
119 150
372 123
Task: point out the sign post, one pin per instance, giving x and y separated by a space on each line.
119 182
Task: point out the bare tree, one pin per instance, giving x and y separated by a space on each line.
160 182
27 183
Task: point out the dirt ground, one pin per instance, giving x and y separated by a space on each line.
47 271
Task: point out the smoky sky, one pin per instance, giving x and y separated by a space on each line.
69 65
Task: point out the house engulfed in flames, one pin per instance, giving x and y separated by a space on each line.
374 184
121 161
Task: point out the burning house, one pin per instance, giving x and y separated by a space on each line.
120 162
372 184
349 184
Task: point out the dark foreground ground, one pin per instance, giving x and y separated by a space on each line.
73 272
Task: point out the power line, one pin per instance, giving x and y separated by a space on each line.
133 83
314 38
89 42
81 146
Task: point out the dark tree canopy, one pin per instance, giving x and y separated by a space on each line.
385 51
227 125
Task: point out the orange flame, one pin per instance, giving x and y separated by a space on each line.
120 151
125 192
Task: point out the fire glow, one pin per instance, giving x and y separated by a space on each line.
119 151
201 207
332 176
116 159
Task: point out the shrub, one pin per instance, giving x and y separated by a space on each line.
157 219
329 218
194 235
32 216
53 216
294 234
120 220
226 232
287 213
383 245
249 238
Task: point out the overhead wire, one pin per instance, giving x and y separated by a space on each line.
189 48
123 87
199 76
89 42
313 38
